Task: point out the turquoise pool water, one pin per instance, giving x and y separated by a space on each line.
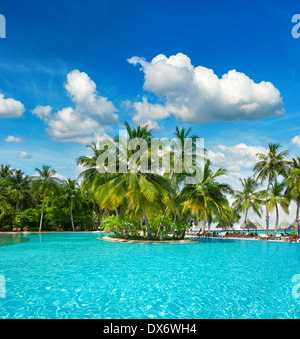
77 276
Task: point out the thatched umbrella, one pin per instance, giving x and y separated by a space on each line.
258 226
224 227
294 226
284 226
248 224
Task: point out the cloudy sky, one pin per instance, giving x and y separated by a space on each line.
72 71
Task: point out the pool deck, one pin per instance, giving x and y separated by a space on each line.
249 239
185 241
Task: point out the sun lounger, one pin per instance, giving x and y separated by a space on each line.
263 236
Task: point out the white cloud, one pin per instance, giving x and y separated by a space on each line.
296 140
236 158
197 94
13 139
24 155
10 108
147 113
60 176
43 112
84 122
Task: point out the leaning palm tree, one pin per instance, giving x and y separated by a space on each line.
269 167
276 197
207 199
71 195
248 197
44 183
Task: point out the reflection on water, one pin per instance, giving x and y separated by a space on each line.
11 239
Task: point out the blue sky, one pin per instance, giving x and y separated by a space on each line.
57 50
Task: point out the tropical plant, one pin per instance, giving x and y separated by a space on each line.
293 182
276 197
19 185
5 171
71 195
248 197
44 183
207 199
269 167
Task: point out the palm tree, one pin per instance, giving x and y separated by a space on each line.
293 182
142 132
207 199
229 218
19 184
178 178
44 183
3 195
71 195
247 198
269 167
135 193
5 171
277 197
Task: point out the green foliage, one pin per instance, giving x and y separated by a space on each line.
30 217
128 203
7 217
121 225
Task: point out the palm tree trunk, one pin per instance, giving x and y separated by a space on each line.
183 233
160 225
267 211
71 212
297 218
246 214
147 225
42 215
276 221
267 219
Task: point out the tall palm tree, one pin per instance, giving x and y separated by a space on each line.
293 182
207 199
134 192
71 195
269 167
178 178
248 197
44 183
276 197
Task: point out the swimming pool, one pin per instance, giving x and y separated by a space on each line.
74 275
